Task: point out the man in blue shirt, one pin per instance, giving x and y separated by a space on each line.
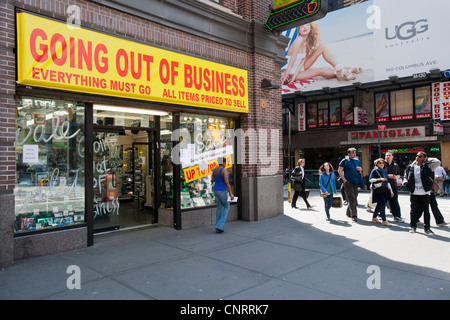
349 169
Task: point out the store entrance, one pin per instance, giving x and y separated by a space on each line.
124 179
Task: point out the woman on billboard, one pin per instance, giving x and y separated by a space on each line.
304 52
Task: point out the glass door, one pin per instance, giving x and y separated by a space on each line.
124 193
108 163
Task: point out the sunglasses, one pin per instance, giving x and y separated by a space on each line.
419 156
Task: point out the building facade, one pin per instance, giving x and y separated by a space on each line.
373 81
115 113
403 135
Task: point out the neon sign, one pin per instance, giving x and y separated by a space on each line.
295 13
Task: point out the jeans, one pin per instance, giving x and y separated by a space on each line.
393 203
380 208
419 205
352 197
222 208
328 201
446 186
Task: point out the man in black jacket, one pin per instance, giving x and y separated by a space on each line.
419 181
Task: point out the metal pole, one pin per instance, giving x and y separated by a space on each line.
379 145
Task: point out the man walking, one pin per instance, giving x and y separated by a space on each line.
419 181
393 172
349 169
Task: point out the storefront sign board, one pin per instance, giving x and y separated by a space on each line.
55 55
405 134
445 101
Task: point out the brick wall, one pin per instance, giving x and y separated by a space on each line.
7 106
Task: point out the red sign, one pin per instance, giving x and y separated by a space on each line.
381 127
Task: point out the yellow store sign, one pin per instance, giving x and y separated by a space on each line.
55 55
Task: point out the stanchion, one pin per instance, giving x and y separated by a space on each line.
289 192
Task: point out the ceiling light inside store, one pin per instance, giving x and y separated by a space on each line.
129 110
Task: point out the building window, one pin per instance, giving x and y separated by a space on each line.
50 182
401 104
405 104
332 113
422 102
203 140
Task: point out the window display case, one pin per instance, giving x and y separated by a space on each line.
50 184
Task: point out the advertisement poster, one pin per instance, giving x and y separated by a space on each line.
382 106
335 112
422 98
367 42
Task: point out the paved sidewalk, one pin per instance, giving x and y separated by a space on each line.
297 255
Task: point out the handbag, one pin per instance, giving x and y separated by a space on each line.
337 202
379 187
435 188
323 194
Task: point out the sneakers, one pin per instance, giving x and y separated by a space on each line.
398 219
412 230
429 232
376 220
442 224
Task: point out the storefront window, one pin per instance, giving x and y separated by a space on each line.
50 184
203 140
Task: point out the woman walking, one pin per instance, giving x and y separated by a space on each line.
378 175
221 186
327 184
298 175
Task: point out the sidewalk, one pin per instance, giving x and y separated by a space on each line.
297 255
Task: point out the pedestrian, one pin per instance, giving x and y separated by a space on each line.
446 183
221 186
349 169
393 173
439 176
298 176
378 174
327 184
419 181
436 212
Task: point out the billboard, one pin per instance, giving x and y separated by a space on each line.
367 42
